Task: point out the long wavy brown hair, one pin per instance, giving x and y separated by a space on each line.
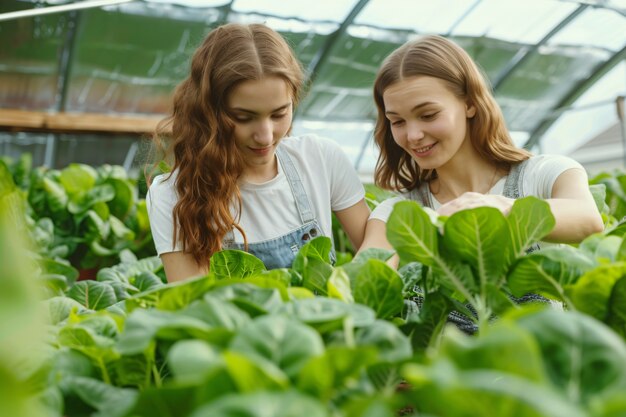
197 138
438 57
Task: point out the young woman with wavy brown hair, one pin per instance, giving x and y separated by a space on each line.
237 181
444 143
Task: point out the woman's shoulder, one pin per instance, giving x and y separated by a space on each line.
163 186
550 162
308 142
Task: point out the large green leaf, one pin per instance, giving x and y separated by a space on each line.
69 363
481 238
412 233
50 266
373 253
182 399
583 358
263 404
598 192
173 296
504 347
78 178
617 308
318 248
96 229
146 280
108 401
120 230
95 197
235 264
55 195
254 373
312 262
530 220
93 294
376 405
7 186
125 197
327 314
59 308
325 375
591 294
253 299
217 312
379 286
443 390
192 359
549 271
100 349
143 327
603 248
167 401
425 328
285 342
391 344
339 286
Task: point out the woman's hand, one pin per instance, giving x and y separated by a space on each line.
471 200
180 266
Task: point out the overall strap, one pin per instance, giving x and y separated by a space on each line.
421 194
303 204
513 185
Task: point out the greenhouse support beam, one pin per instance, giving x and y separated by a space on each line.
575 92
322 54
619 104
87 4
23 120
526 52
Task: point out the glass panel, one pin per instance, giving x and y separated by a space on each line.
284 25
525 21
541 82
29 59
618 4
12 145
427 17
601 28
305 44
576 127
192 3
319 11
490 54
615 4
169 10
94 150
125 71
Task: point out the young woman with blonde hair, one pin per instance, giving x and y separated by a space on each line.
237 181
444 143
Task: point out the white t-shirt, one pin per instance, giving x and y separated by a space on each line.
539 177
269 209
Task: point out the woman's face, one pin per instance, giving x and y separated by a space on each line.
427 120
262 111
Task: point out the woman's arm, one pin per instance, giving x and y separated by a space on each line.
376 237
180 266
571 203
574 209
353 221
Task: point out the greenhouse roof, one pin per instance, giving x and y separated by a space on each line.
556 66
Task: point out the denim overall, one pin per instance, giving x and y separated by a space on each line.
280 251
512 189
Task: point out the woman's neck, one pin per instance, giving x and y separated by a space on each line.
259 174
477 175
